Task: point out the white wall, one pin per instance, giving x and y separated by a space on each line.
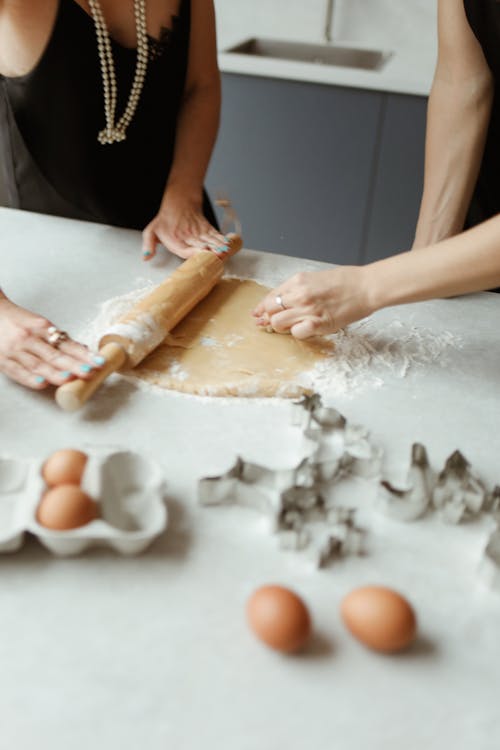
406 26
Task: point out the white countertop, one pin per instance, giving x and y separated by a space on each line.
398 75
106 652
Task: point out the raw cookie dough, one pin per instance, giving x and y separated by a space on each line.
217 350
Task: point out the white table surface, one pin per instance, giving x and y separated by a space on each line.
152 652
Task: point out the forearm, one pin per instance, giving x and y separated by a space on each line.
196 134
468 262
458 117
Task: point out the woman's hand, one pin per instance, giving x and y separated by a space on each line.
317 303
181 227
28 358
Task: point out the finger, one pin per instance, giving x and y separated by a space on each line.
276 302
268 304
265 303
20 374
38 367
313 325
70 348
179 247
214 241
198 244
284 320
149 243
263 321
58 359
305 329
259 311
81 353
215 238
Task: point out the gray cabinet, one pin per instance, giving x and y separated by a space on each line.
399 176
320 171
297 161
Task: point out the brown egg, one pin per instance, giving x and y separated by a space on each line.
279 618
66 507
379 617
64 467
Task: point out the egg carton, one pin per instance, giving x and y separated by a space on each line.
128 488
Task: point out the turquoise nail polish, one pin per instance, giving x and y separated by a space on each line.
66 374
221 249
40 379
99 360
146 252
86 368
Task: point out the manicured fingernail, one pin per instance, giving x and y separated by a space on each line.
222 249
66 374
99 360
40 379
86 368
146 252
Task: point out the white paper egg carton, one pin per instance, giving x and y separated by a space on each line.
128 488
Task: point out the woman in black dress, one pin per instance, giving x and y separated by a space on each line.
108 112
461 191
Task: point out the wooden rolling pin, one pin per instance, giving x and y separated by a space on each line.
146 325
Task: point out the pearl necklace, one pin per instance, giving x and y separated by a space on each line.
116 131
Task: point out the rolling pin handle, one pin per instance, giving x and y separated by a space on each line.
73 395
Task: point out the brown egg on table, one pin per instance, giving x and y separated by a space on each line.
380 618
64 467
66 507
279 618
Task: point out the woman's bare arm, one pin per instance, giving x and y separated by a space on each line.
468 262
180 224
199 117
324 301
457 122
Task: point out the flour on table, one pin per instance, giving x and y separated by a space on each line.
366 354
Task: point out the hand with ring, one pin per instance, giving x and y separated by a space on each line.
319 302
35 353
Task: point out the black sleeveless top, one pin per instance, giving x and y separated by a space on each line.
50 118
484 19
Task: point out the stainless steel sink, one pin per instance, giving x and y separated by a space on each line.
319 54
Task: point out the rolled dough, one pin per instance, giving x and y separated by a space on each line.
217 350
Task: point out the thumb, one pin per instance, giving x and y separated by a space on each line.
149 242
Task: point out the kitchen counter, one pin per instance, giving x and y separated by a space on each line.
108 652
401 74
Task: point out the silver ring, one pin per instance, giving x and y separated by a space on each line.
55 336
279 301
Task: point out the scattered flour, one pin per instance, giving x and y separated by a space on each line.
177 372
366 353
